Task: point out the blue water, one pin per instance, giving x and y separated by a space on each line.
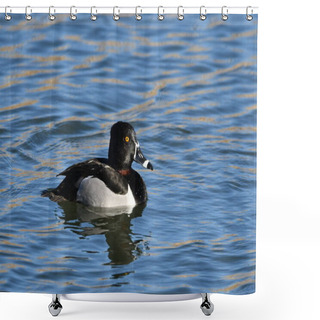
189 89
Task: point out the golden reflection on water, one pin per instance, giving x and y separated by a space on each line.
239 65
215 23
10 235
181 57
198 137
177 244
20 259
238 276
139 108
11 266
144 41
9 252
238 35
110 80
235 286
178 176
10 83
168 72
196 82
183 35
10 243
68 152
11 48
17 202
225 237
30 73
62 48
250 170
238 129
180 109
164 157
200 119
76 118
20 139
30 175
51 58
44 88
25 103
160 127
13 117
247 95
202 92
89 60
41 233
159 85
52 82
104 46
34 25
239 114
49 228
197 48
142 54
187 65
54 269
185 276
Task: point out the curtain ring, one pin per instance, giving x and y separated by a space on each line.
6 14
160 15
138 16
180 13
249 17
116 16
203 13
51 13
28 15
224 13
93 16
73 13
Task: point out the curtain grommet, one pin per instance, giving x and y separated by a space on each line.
160 15
6 14
138 15
180 13
203 13
249 16
51 13
93 17
116 16
28 15
73 13
224 13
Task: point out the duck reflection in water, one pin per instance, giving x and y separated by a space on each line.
113 223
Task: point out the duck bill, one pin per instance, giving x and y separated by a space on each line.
140 158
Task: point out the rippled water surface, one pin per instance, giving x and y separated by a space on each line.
189 89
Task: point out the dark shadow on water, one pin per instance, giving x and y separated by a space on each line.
115 224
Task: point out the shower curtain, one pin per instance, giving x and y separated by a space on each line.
186 89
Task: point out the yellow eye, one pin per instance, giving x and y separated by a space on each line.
126 139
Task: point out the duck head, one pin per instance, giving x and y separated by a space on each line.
124 147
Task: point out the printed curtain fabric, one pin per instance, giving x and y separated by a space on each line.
128 154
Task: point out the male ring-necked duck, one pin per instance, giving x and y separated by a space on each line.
108 182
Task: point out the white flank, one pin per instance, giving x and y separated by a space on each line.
93 192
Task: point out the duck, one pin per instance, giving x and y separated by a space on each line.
106 182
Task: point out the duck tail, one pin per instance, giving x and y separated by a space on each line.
52 195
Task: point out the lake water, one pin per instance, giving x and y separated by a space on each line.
189 89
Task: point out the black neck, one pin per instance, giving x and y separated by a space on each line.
119 160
